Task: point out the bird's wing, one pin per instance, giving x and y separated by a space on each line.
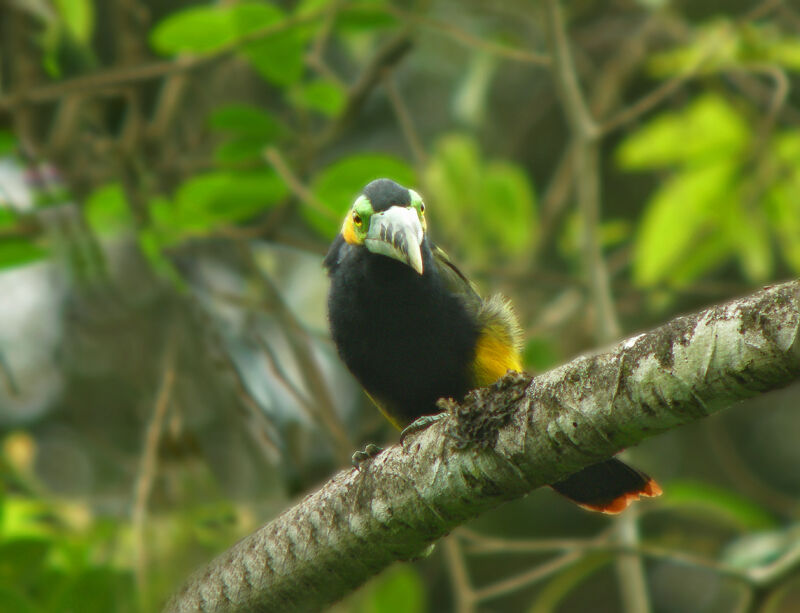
499 334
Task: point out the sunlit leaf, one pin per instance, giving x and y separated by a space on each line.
750 237
107 211
678 218
78 16
718 503
338 185
507 207
484 208
708 128
196 29
786 52
714 46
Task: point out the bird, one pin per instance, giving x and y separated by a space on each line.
413 329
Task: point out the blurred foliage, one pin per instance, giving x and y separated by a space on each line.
171 174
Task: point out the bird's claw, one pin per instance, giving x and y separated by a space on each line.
370 451
419 424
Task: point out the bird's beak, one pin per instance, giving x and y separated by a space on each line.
398 234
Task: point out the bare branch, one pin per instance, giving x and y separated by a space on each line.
498 445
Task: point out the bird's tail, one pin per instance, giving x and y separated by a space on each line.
607 487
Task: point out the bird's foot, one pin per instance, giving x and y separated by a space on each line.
419 424
370 451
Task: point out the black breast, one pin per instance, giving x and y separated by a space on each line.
406 338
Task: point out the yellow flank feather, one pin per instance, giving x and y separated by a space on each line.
498 348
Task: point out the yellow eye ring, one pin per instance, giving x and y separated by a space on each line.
357 219
421 207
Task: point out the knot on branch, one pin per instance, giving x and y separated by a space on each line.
477 421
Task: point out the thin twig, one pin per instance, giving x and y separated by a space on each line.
7 376
295 185
390 53
493 545
148 467
406 121
526 579
463 592
587 173
116 77
470 40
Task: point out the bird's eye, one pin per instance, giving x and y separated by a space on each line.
421 207
357 219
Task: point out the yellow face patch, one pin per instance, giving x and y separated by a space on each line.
494 356
349 232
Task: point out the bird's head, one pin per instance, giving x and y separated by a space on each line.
388 219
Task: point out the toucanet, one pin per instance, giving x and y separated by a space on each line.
412 329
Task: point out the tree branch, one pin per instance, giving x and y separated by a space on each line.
498 445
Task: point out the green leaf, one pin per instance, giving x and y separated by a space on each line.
278 57
13 600
150 243
7 217
22 559
323 96
229 196
18 252
398 590
107 212
78 16
247 120
719 503
782 201
507 208
338 185
540 354
366 17
214 199
708 129
252 130
715 46
786 52
681 215
749 235
97 590
8 144
198 29
239 150
487 208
